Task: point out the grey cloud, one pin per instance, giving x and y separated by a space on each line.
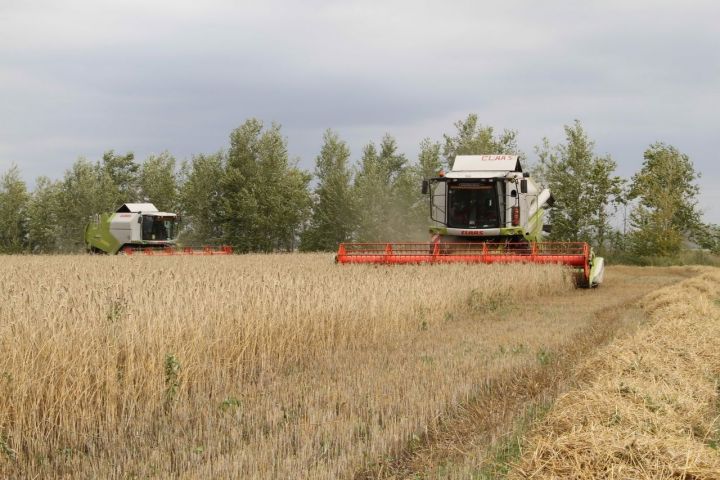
77 80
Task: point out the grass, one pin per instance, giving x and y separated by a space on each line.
506 452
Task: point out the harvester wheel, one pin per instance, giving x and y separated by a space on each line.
580 280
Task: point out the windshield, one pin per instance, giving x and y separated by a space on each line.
472 205
158 228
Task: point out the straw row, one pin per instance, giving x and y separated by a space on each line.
652 411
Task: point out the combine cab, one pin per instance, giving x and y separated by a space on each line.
140 228
485 210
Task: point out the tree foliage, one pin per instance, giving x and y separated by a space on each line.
472 138
265 197
42 216
123 175
158 182
86 189
387 191
254 197
429 161
334 212
708 237
13 211
666 193
200 199
582 184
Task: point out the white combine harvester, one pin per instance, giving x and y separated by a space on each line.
140 227
485 210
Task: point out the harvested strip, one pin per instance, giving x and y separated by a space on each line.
477 438
652 412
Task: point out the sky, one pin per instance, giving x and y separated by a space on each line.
79 77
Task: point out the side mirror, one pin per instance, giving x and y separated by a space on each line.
140 219
425 187
523 186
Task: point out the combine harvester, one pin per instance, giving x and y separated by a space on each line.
485 210
140 228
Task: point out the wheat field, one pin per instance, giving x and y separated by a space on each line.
256 366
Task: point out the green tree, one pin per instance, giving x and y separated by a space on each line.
200 199
124 174
708 237
43 209
87 189
409 212
472 138
334 214
583 186
428 166
371 191
429 160
159 183
294 208
240 188
265 196
387 191
13 210
666 212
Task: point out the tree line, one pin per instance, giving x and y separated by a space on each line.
254 197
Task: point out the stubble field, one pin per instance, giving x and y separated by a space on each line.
646 406
282 366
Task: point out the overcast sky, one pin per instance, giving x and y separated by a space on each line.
78 77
